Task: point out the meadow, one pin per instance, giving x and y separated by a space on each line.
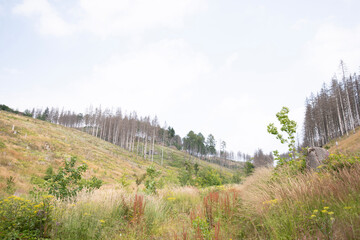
309 205
38 199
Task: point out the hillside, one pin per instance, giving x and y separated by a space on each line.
29 146
282 203
346 144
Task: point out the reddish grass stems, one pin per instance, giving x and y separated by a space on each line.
138 208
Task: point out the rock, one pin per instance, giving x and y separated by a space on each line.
315 157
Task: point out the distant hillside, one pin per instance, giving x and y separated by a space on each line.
29 146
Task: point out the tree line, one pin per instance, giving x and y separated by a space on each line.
334 111
141 134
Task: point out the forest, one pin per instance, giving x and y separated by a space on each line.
334 111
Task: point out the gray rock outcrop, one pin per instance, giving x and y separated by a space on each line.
315 157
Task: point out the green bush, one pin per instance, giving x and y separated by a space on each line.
24 219
339 161
208 177
186 174
150 182
248 168
68 181
237 177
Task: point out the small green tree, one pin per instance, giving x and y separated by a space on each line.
289 127
150 182
186 174
68 181
248 168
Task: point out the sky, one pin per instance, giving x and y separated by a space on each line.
220 67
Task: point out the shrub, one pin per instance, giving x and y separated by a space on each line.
208 177
49 173
10 185
150 182
68 181
236 177
24 219
340 161
248 168
186 174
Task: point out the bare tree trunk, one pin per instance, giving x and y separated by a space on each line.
343 111
145 145
153 146
162 155
340 123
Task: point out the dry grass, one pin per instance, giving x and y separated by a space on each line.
39 144
283 207
346 144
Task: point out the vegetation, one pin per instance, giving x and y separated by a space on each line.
32 151
334 111
7 109
139 135
25 219
296 204
260 208
287 126
68 181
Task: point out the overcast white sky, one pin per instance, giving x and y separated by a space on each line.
220 67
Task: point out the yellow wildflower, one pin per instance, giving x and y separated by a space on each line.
332 219
315 211
347 208
312 216
171 198
48 196
102 221
326 208
324 211
330 213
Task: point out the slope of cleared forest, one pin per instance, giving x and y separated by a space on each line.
282 203
29 146
346 144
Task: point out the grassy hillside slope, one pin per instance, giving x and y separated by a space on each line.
287 202
29 146
348 143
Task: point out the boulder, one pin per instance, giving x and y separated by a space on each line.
315 157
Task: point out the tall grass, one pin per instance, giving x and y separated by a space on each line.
310 205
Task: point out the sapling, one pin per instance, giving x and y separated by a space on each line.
289 127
